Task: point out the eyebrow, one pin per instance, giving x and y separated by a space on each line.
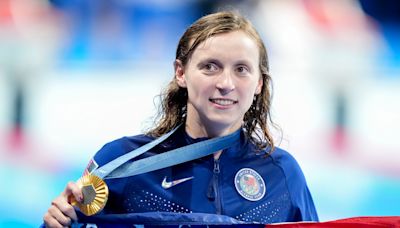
243 62
218 62
209 60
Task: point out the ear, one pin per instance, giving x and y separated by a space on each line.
180 73
259 85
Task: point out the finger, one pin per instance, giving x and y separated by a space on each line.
72 188
59 216
50 221
65 208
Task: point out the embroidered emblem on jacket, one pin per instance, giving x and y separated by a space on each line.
249 184
168 184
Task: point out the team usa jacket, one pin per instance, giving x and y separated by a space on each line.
242 186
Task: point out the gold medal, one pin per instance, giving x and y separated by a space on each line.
95 194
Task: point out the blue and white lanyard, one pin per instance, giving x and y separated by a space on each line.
120 167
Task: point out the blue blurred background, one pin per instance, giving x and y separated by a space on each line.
75 74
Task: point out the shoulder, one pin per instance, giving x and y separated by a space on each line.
289 166
119 147
283 157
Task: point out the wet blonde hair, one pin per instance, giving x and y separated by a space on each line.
173 107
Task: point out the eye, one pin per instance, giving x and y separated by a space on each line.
210 67
242 70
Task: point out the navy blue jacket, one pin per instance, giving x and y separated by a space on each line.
212 189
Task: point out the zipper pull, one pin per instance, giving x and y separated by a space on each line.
210 191
216 166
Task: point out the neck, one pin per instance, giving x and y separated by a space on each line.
195 127
199 131
208 132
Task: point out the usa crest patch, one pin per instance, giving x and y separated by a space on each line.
249 184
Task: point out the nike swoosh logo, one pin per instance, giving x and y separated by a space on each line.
169 184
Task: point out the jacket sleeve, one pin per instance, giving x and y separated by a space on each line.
300 195
306 210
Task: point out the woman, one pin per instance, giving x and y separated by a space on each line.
221 86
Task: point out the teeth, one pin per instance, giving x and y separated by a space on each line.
223 101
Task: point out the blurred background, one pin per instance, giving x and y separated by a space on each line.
75 74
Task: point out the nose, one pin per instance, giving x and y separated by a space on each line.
225 83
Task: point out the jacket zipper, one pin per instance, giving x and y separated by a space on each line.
216 172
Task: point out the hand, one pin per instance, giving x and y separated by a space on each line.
61 213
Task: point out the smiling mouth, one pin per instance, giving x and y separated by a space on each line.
223 102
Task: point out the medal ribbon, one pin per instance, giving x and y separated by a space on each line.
95 190
120 167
